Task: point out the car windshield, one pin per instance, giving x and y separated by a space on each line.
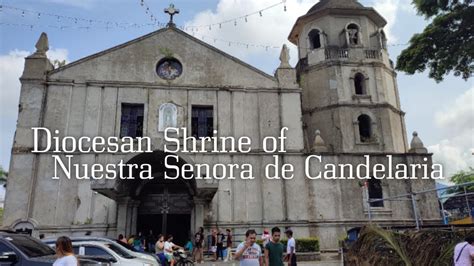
30 246
119 250
127 246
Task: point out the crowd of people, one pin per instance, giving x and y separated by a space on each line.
248 252
162 246
218 243
219 246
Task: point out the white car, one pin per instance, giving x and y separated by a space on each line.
116 254
127 248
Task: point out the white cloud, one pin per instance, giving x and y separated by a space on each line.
459 115
388 9
407 6
456 125
271 29
58 54
11 68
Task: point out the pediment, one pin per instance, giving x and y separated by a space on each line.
136 62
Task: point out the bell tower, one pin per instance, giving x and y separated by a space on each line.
349 85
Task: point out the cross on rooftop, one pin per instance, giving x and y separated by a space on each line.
171 11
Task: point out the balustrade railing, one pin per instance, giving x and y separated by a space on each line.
338 53
331 53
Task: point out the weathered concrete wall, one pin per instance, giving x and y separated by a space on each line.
84 98
135 61
98 108
333 26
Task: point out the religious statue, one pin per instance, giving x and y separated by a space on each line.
167 117
353 36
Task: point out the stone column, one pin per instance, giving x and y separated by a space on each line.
122 216
128 219
134 216
198 213
20 192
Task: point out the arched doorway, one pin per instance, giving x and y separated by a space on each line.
141 204
165 207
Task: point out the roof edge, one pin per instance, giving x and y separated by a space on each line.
106 51
114 48
378 19
233 58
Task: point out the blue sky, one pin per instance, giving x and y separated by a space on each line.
442 113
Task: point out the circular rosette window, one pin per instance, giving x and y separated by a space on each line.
169 68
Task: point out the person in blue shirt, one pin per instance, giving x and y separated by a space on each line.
189 246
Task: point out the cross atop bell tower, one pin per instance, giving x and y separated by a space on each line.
171 11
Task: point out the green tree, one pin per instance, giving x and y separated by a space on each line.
446 44
3 175
462 177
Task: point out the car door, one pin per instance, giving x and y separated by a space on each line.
92 250
5 248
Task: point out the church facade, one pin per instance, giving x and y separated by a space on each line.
340 102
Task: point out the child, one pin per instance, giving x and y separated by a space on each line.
189 246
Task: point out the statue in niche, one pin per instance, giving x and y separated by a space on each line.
167 116
353 36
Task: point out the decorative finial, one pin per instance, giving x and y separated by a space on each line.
318 143
171 11
42 45
416 145
284 57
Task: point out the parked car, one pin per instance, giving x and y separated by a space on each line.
115 254
114 242
24 250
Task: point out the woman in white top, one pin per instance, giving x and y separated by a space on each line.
65 253
169 248
266 237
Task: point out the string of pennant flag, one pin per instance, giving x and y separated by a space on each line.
234 20
77 22
87 24
148 11
202 37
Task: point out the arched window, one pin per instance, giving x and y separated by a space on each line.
375 192
365 128
383 39
359 84
353 34
314 39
